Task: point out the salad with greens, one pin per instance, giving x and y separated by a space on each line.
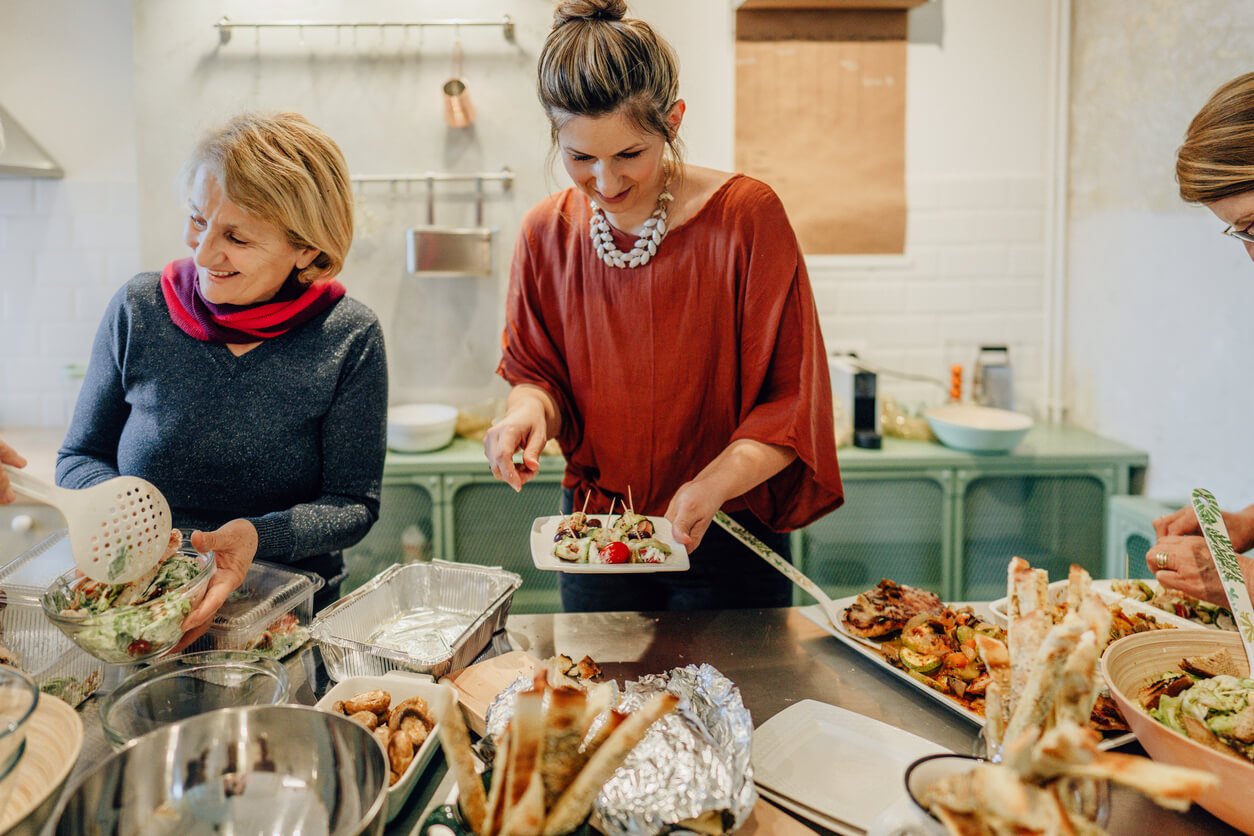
1211 702
124 622
1223 704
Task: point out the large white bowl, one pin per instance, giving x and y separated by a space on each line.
421 427
977 429
1131 663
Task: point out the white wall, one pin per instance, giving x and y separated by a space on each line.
65 74
977 122
977 119
1160 342
380 96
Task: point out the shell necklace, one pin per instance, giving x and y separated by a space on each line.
646 245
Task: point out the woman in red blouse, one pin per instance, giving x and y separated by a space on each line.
661 326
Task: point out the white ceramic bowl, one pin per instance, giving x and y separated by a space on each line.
420 427
977 429
401 685
1131 663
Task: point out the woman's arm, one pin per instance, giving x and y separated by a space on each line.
742 466
531 419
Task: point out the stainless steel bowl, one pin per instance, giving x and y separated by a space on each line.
257 771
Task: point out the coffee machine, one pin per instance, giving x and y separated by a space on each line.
854 387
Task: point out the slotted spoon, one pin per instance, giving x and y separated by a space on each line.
119 529
789 571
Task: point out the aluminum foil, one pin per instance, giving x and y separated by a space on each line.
692 762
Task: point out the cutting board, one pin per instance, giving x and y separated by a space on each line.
478 685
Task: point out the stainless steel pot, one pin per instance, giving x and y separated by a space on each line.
257 771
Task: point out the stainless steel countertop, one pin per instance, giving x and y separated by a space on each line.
777 657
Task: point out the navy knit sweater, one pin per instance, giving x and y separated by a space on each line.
290 436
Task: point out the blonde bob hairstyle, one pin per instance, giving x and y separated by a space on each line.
286 171
1217 157
595 62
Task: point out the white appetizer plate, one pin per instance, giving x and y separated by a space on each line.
545 528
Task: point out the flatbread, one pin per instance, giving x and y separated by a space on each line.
455 740
574 804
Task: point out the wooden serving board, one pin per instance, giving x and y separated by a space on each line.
478 685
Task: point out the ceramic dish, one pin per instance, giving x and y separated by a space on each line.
870 649
1134 661
420 427
977 429
54 738
817 758
544 529
401 685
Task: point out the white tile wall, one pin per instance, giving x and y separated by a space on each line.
61 254
974 274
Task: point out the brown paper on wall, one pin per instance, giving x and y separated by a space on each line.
823 122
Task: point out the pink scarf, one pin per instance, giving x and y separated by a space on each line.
294 305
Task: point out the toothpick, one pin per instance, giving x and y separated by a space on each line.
610 513
631 504
586 497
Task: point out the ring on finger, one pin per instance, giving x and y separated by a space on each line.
1160 560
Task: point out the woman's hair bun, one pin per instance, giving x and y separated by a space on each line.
568 10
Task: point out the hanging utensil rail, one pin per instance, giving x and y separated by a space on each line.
225 25
505 177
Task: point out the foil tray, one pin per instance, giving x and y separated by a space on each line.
431 618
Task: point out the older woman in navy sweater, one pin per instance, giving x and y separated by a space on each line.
241 381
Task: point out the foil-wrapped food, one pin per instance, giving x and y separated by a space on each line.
690 772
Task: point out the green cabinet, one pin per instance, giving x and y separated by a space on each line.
949 521
916 512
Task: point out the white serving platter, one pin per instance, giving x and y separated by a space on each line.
545 528
870 649
401 685
833 766
1057 589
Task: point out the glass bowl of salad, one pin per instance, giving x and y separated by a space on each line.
130 622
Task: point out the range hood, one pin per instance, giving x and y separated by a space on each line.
20 154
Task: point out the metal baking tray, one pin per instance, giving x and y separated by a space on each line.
453 609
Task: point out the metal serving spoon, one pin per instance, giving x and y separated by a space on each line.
789 571
119 529
1211 521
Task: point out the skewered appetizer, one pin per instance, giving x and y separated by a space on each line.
627 539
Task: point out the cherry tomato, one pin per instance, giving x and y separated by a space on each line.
139 647
616 553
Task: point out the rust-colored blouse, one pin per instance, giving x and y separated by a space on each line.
657 369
